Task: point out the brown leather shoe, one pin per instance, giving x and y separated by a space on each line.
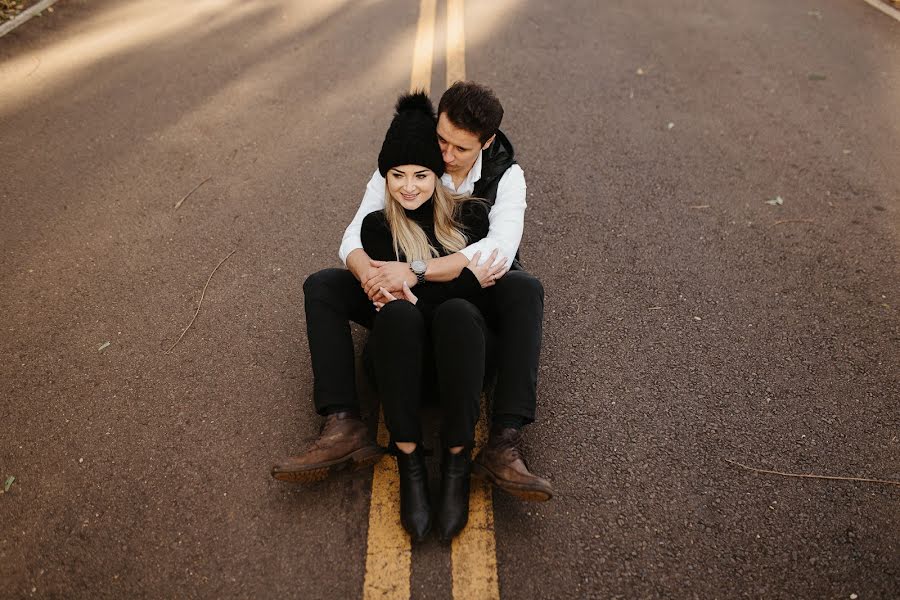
501 462
343 442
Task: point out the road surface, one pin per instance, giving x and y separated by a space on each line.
691 319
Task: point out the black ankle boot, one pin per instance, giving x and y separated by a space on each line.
415 507
454 508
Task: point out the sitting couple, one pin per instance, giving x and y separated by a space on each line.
428 258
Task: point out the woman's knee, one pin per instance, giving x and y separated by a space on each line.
455 312
456 323
399 314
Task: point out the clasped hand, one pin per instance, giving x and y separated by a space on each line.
393 275
388 297
388 275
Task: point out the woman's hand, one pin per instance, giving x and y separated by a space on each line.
407 295
389 275
488 273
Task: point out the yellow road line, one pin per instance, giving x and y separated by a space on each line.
420 79
456 42
473 554
388 553
388 549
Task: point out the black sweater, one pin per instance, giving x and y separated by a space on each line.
379 245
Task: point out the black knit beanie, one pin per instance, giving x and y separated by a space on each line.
411 139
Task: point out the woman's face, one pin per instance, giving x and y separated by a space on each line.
411 185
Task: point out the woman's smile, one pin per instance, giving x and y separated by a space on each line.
411 185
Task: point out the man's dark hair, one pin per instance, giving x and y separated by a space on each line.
473 107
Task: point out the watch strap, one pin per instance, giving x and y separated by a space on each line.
420 276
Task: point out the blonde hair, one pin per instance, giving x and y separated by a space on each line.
410 239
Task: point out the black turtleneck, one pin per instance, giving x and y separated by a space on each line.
379 245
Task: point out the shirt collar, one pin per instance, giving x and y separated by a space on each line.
468 184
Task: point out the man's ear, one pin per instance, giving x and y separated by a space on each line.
490 141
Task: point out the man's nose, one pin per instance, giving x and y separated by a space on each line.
448 156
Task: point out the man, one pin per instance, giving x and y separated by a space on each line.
479 160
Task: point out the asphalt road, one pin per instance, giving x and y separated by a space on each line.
688 322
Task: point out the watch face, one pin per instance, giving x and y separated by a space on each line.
418 266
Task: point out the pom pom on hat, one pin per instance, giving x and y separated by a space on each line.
411 139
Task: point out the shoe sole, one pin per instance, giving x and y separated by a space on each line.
525 492
358 459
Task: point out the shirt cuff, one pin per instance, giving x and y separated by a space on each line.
347 247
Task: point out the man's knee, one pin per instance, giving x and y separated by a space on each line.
321 282
517 285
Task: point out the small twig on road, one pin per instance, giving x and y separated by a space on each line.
202 294
783 221
36 67
699 206
812 476
177 204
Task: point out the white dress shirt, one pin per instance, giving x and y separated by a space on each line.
507 216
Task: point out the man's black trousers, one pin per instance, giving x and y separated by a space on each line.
333 298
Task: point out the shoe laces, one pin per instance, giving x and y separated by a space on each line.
512 444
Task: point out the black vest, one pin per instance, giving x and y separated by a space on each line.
495 161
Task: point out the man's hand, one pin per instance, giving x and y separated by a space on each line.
490 271
362 267
388 297
390 276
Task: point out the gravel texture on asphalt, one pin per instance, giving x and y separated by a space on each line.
687 320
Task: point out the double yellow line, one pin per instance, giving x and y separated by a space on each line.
473 555
423 52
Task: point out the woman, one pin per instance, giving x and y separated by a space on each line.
436 335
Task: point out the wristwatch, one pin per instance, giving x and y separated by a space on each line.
418 267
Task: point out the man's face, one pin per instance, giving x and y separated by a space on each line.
459 147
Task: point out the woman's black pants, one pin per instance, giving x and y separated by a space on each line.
333 298
454 346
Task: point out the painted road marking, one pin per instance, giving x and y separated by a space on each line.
388 551
456 42
473 555
420 79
